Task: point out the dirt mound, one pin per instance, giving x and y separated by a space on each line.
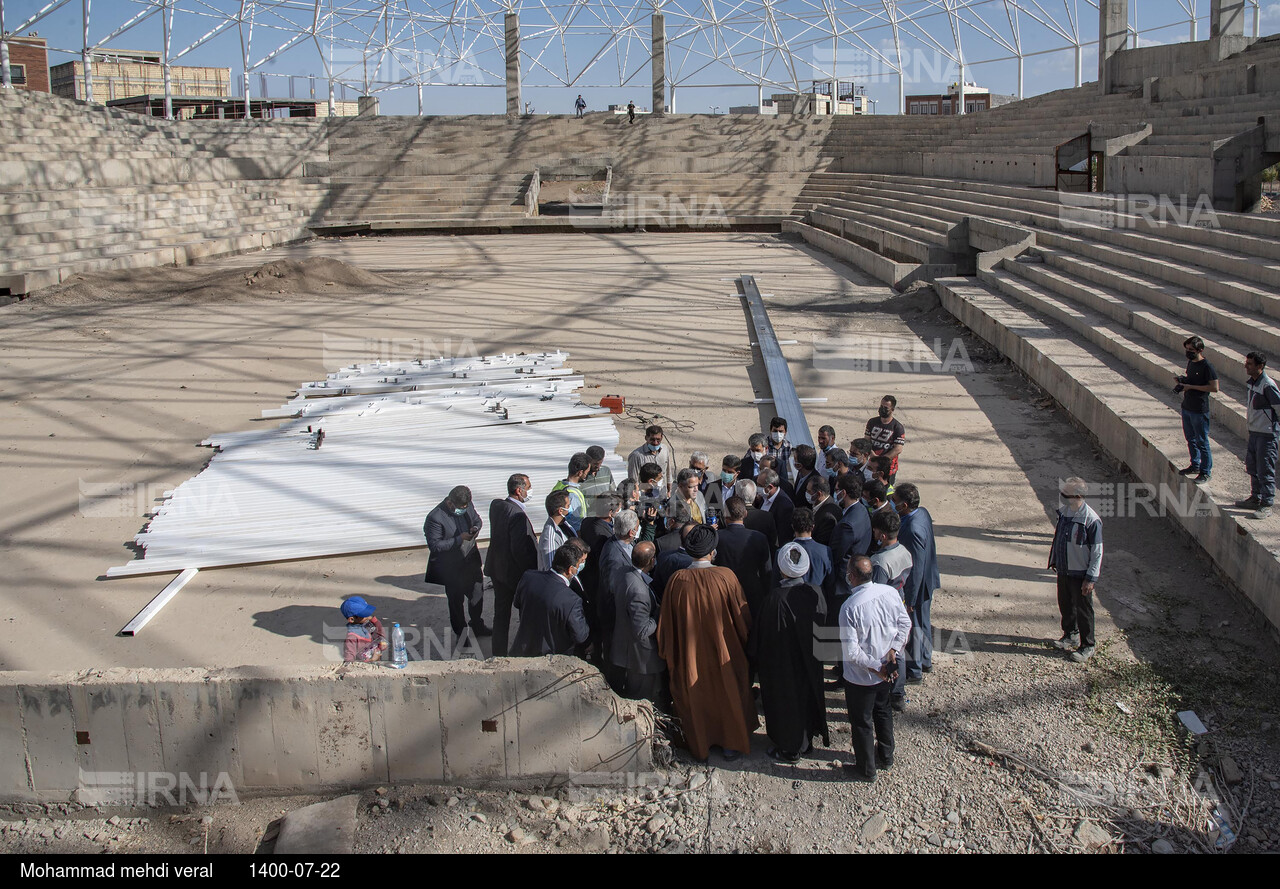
317 275
201 284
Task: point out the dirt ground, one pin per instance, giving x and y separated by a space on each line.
1007 746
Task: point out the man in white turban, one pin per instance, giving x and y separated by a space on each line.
782 648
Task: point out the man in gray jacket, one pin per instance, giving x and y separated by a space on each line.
635 646
1262 407
454 562
1076 554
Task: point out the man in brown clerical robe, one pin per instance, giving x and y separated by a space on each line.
702 635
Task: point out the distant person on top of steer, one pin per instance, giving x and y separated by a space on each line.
887 435
580 106
654 450
631 112
451 530
1199 380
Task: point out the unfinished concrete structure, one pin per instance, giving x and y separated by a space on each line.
1086 293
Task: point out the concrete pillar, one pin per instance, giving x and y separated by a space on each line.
1113 32
1226 28
6 77
84 57
658 33
1226 18
513 64
367 106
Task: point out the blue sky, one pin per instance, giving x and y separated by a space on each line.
596 65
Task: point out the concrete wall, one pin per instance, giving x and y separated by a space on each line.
312 728
1129 67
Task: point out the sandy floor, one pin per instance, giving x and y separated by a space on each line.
119 389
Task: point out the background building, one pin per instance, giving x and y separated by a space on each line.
122 74
28 63
976 98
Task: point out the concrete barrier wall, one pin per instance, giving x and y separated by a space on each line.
272 729
1129 67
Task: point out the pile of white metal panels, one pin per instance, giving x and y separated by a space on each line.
397 437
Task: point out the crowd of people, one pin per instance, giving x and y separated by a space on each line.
718 595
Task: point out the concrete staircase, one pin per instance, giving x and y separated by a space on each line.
468 172
86 188
1094 306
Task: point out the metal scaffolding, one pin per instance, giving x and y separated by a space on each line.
380 45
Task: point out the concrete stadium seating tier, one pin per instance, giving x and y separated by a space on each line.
451 172
1093 302
85 188
1197 133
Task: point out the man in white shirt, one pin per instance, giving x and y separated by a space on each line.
874 627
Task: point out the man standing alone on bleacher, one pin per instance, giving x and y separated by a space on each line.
1199 381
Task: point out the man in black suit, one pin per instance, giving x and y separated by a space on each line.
746 553
852 535
596 532
777 504
826 515
757 449
614 558
551 616
757 519
671 561
513 550
454 562
806 457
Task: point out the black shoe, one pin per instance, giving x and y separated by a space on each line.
914 680
1202 478
857 773
481 630
1251 503
898 704
883 762
1190 470
926 668
782 756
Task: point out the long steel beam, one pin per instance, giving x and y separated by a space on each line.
781 386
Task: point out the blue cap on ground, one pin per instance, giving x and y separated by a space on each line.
356 607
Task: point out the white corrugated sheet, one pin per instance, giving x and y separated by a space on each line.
387 459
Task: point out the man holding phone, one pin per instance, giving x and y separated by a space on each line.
454 561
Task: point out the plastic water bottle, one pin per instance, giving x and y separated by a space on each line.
399 657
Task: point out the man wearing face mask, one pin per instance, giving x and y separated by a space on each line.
556 532
757 449
776 503
826 515
654 450
1200 380
779 448
757 519
826 442
454 562
852 535
719 491
887 435
513 550
579 466
551 614
698 462
1076 554
806 458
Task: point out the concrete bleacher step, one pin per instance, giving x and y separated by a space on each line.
1139 424
1132 332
